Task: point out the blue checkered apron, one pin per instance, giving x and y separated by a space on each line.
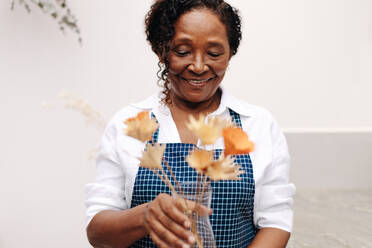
232 201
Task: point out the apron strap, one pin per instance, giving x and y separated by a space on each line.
235 118
155 135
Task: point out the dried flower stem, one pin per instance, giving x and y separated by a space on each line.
160 176
174 178
78 103
184 202
199 241
169 182
205 185
194 216
163 177
198 183
195 213
201 195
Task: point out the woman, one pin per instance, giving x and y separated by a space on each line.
194 40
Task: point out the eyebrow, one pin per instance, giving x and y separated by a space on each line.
188 41
214 43
182 40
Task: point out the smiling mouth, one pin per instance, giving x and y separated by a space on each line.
197 82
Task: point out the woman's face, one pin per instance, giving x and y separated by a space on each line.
199 56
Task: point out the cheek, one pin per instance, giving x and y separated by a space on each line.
177 66
220 68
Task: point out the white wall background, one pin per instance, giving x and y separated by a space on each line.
309 62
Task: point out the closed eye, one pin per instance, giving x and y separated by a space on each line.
182 53
214 55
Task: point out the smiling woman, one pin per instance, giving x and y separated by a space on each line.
129 206
198 58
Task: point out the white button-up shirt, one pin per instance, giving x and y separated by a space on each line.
117 162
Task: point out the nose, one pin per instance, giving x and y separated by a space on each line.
198 66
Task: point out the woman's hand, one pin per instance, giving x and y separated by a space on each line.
167 224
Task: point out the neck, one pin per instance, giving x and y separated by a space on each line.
204 107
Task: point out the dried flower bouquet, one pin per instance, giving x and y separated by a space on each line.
208 131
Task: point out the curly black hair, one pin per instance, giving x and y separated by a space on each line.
160 22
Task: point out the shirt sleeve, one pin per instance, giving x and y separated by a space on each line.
107 192
275 194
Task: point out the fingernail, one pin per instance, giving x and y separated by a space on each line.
191 239
186 224
185 246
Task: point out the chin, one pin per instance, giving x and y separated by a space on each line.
195 94
197 97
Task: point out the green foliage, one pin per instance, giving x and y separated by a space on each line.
57 9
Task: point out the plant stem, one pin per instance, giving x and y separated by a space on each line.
169 182
163 177
205 185
160 176
198 184
195 215
174 178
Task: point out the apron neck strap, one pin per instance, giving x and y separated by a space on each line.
235 118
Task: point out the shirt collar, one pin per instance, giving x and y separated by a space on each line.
227 101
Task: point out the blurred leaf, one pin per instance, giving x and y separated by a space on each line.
58 10
27 7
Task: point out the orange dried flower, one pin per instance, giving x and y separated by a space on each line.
236 141
152 156
141 127
200 160
208 132
224 169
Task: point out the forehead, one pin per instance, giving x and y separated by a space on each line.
200 24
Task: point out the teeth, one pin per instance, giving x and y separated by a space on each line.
197 81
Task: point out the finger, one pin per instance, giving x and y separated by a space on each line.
160 223
174 210
150 221
199 208
147 217
175 228
160 243
163 233
210 212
